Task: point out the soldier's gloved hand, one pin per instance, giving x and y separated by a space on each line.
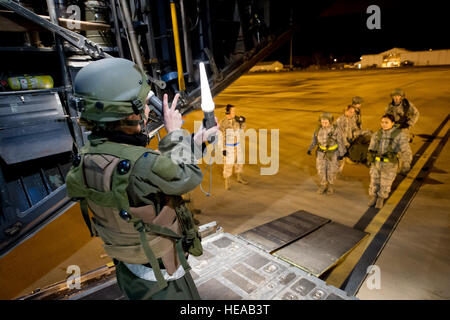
202 134
172 117
224 152
308 152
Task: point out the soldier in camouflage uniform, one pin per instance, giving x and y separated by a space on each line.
357 150
387 147
330 150
347 124
405 112
231 128
133 192
356 103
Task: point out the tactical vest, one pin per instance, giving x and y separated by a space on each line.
403 120
331 144
358 118
389 155
134 235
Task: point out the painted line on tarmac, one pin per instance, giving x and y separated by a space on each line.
367 217
380 228
354 268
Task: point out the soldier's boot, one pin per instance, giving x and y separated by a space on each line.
240 180
330 189
372 201
380 203
322 189
227 183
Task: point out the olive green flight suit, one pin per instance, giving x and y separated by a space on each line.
153 176
148 181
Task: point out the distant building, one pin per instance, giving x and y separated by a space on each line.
269 66
401 57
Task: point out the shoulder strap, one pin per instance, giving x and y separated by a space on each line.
316 132
378 136
405 104
395 133
330 138
86 217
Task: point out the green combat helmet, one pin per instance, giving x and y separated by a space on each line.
111 89
357 100
398 92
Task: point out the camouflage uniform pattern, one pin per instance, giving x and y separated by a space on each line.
399 111
327 163
230 129
382 174
357 118
348 128
349 131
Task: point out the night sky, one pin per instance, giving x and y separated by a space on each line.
338 29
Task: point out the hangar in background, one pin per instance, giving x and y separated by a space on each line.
267 66
397 57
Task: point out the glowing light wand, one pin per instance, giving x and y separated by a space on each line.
207 102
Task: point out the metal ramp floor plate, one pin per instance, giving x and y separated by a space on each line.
280 232
231 268
322 249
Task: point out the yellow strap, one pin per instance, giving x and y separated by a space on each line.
330 148
333 147
379 159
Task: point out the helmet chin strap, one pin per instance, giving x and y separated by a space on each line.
144 119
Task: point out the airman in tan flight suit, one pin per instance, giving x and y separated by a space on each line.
231 128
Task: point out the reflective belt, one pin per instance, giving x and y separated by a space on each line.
328 149
379 159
